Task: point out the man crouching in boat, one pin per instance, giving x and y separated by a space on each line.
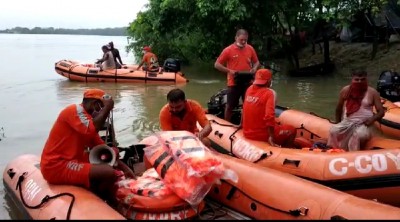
354 113
65 159
183 114
258 117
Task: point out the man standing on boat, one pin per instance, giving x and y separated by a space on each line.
238 56
183 114
65 159
354 113
258 115
116 55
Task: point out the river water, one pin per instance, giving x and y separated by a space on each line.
32 93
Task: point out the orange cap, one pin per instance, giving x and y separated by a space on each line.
94 94
147 48
262 77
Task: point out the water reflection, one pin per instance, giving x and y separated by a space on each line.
136 107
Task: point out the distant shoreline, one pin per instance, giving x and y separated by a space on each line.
120 31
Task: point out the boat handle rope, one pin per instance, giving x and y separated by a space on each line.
45 198
221 124
312 134
232 137
130 71
300 211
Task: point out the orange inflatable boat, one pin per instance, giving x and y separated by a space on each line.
372 173
390 123
76 71
263 193
38 200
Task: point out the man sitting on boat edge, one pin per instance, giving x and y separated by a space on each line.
65 160
354 113
258 114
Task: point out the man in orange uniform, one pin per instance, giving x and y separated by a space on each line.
149 60
258 117
238 56
183 114
64 158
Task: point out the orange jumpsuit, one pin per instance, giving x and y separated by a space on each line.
64 160
194 113
259 114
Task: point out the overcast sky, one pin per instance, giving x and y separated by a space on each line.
71 14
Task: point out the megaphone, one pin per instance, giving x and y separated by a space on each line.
102 154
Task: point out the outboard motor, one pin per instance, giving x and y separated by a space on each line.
388 85
172 65
216 106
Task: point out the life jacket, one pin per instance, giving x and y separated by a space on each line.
330 150
147 197
322 147
184 164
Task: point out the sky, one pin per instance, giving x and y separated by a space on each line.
71 14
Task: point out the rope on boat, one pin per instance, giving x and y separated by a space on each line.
300 211
45 198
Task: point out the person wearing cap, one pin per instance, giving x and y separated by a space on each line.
107 62
149 60
117 57
65 159
239 56
183 114
258 114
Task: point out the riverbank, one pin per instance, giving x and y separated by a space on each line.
349 55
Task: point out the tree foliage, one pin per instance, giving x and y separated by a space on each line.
194 30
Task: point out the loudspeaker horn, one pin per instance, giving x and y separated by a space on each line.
102 154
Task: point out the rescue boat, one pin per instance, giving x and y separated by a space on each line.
372 173
390 123
262 193
76 71
29 193
38 200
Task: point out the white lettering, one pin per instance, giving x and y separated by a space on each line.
359 167
379 162
395 159
333 169
247 151
152 216
31 190
164 216
364 163
74 166
251 99
176 215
